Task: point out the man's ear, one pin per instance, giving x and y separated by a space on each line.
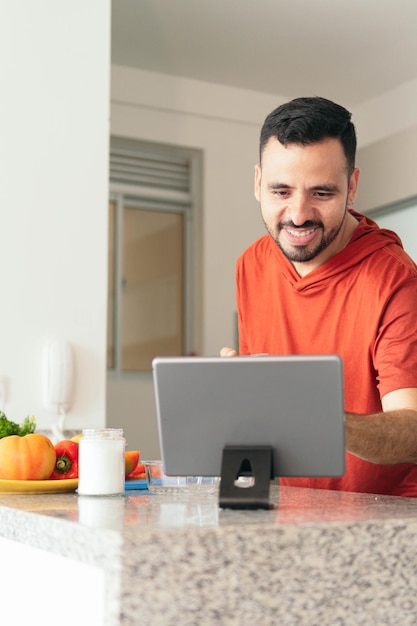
353 185
258 176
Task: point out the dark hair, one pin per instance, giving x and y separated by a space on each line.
309 120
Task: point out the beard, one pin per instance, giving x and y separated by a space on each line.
302 254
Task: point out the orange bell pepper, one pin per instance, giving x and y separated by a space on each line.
28 457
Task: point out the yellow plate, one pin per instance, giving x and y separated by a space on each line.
38 486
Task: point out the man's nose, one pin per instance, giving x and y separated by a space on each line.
300 210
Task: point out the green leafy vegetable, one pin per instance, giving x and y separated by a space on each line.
7 427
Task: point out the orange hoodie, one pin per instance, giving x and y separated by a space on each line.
362 305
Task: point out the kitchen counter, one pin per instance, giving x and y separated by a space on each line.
318 558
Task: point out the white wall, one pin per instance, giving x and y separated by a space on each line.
54 110
403 220
44 601
388 169
387 133
388 114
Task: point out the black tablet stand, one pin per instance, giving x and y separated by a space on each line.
253 463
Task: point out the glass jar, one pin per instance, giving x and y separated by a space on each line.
101 462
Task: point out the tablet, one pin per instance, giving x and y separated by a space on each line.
293 404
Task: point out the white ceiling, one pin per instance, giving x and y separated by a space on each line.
346 50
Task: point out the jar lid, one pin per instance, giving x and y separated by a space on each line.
103 433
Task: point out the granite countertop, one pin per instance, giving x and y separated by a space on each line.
318 557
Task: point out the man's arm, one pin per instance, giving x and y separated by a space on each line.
387 438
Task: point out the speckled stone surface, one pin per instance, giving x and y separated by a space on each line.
318 558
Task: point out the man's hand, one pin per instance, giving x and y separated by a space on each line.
228 352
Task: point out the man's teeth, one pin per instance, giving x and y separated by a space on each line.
301 233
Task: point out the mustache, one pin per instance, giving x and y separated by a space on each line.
307 224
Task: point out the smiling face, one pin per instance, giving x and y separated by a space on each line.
303 192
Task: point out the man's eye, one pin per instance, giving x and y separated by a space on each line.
323 194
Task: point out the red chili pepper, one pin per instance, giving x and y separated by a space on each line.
66 464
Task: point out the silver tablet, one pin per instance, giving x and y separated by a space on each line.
292 403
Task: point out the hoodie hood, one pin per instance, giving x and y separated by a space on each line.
366 239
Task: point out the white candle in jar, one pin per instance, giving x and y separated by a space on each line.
101 462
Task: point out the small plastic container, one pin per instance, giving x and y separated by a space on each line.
101 462
160 483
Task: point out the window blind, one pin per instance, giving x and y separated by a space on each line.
152 170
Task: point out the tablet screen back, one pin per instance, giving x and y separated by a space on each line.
293 403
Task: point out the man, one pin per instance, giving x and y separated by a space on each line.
327 280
